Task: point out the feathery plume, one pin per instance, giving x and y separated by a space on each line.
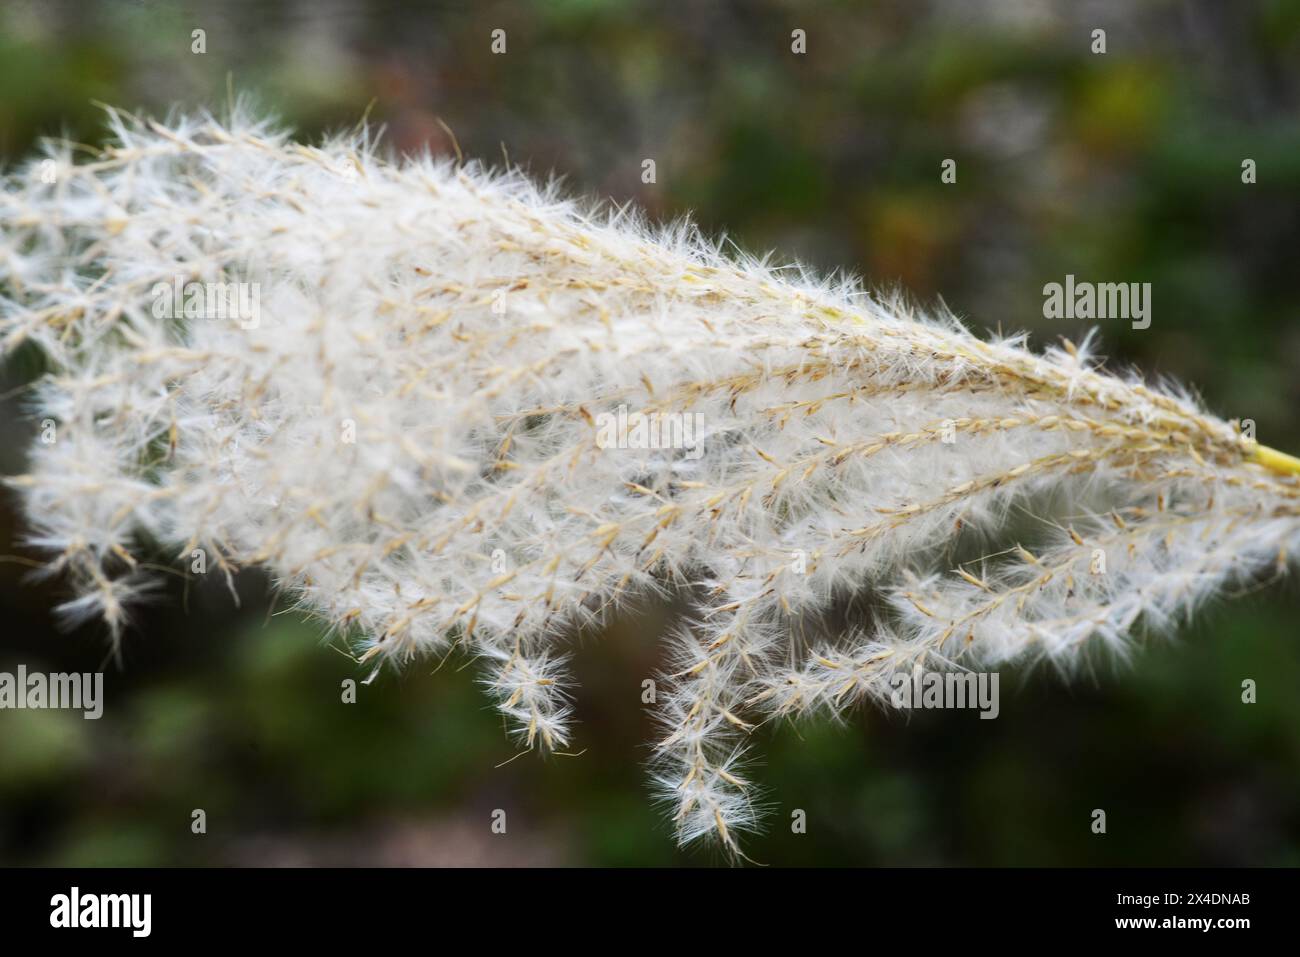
446 407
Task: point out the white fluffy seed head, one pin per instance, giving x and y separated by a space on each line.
448 407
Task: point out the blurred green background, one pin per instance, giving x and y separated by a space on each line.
1117 167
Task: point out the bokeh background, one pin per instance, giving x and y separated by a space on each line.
1117 167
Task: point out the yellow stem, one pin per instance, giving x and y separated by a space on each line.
1275 460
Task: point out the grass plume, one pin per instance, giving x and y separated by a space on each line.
414 438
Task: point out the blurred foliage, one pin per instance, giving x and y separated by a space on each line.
1117 167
